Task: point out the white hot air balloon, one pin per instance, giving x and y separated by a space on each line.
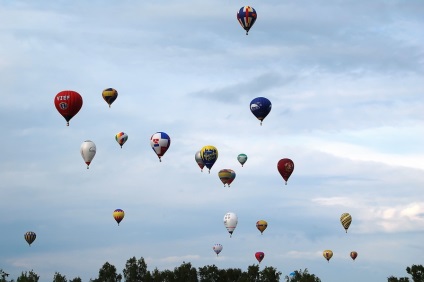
199 160
230 222
217 248
88 151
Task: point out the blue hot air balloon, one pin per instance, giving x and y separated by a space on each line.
246 17
260 107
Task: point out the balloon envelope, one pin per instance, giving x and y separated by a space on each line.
227 176
353 255
261 225
260 107
230 222
121 138
118 215
160 143
285 168
242 158
246 16
327 254
346 220
259 256
217 248
30 237
68 103
109 95
199 160
209 155
88 151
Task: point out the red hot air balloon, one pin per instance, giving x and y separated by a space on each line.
285 168
259 256
353 255
68 103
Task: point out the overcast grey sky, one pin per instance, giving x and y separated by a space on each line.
345 79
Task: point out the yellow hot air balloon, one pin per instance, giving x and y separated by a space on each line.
110 95
209 155
327 254
118 215
261 225
346 220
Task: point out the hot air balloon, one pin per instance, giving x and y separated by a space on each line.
242 158
246 17
217 248
88 151
118 215
109 95
199 160
327 254
259 256
261 225
285 168
121 138
346 220
260 107
230 222
209 155
30 237
227 176
353 255
160 143
68 103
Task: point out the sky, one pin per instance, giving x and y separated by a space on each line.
345 79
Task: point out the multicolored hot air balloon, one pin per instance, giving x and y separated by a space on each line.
88 151
285 168
109 95
68 103
199 161
246 17
30 237
260 108
353 255
118 215
327 254
261 225
209 155
242 158
217 248
160 143
346 220
121 138
227 176
259 256
230 222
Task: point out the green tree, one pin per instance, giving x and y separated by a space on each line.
30 276
253 274
417 272
59 277
209 273
157 275
3 276
76 279
108 274
136 271
269 274
394 279
302 276
185 273
231 274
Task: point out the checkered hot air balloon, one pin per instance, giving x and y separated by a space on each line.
160 143
246 17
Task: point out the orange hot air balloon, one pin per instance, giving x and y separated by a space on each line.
68 103
353 255
327 254
118 215
261 225
285 168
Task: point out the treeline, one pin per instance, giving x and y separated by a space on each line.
136 271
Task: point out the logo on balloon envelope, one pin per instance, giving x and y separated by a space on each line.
63 105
